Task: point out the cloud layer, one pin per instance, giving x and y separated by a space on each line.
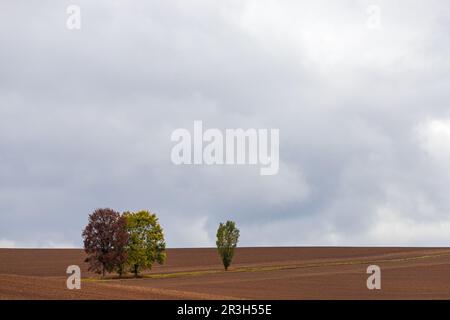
364 118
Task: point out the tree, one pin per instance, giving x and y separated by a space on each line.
146 241
227 239
121 242
105 238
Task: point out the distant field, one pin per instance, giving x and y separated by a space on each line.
257 273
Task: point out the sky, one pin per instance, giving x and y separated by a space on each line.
363 112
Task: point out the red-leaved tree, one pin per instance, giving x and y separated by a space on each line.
105 239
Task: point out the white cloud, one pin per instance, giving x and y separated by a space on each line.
434 137
188 231
4 243
394 227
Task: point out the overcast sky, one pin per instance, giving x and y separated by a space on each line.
364 117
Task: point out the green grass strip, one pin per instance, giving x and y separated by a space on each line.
265 268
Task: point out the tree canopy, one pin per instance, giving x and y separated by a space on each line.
105 238
146 241
227 239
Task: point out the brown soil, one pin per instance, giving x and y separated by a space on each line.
257 273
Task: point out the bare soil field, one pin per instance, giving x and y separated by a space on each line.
256 273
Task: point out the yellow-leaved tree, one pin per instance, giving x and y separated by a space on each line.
146 243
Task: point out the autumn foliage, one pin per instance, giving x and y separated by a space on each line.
146 244
105 239
115 242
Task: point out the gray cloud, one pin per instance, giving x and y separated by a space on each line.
86 118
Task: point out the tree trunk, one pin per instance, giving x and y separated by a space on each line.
135 270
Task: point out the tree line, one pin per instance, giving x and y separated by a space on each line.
134 241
